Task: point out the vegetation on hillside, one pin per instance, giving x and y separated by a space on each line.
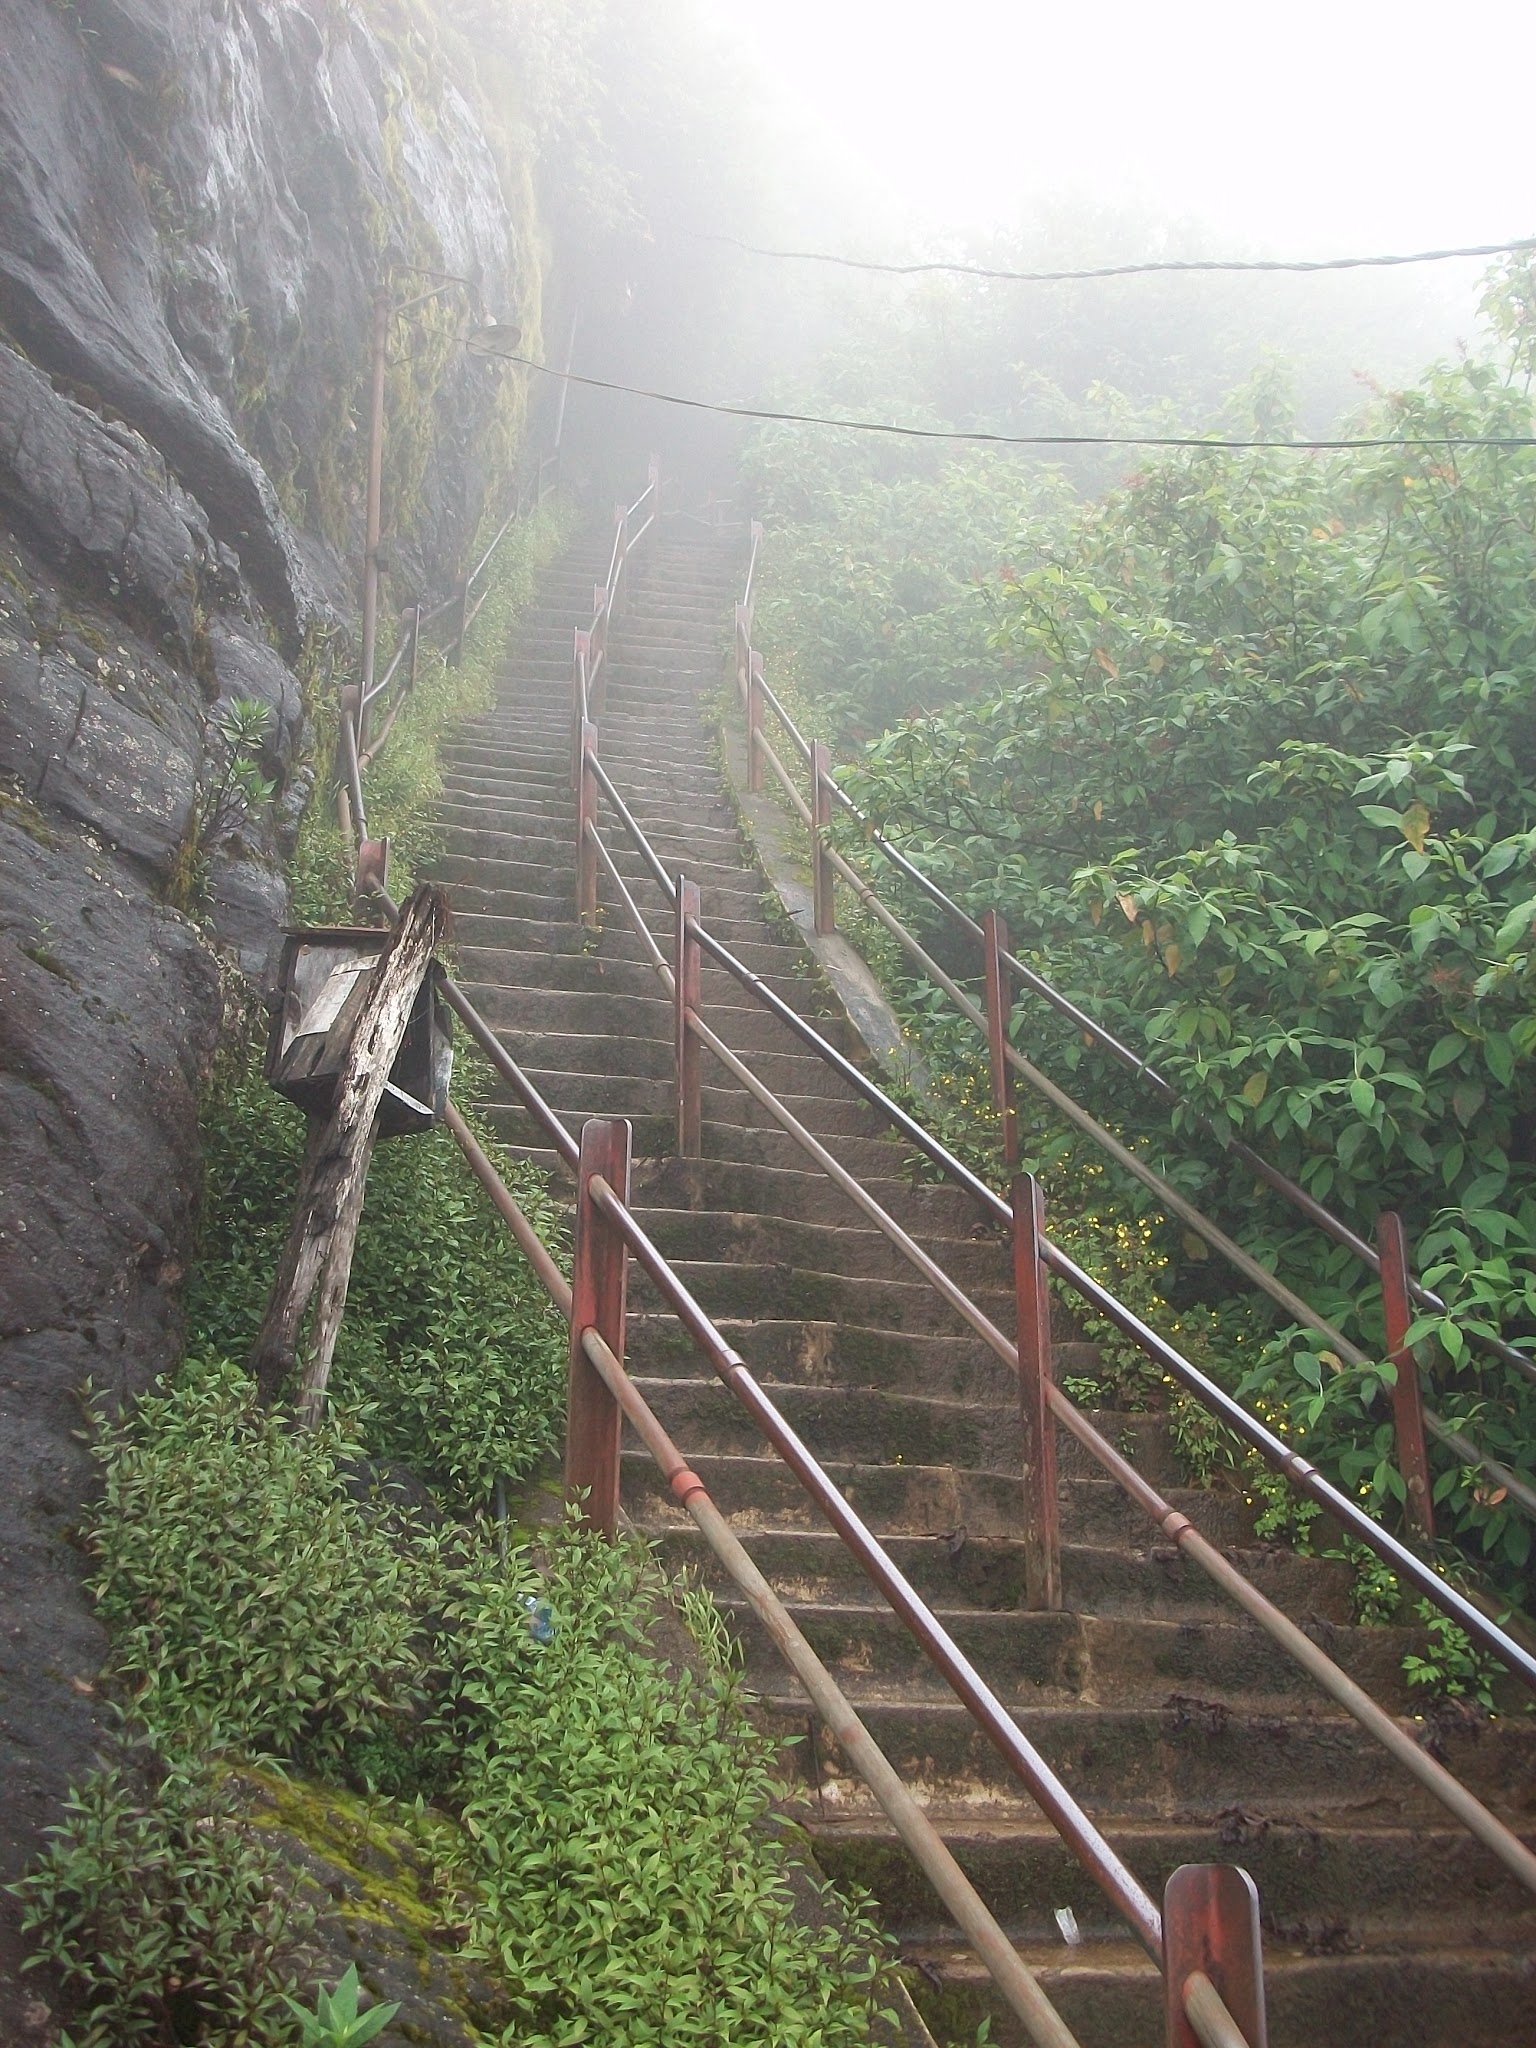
1244 750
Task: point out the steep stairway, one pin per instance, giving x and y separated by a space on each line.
1183 1731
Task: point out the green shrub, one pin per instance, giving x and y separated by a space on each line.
252 1600
167 1919
629 1880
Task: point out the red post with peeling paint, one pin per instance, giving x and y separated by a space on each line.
685 971
999 1008
1407 1395
586 829
1211 1931
599 1271
823 912
1042 1518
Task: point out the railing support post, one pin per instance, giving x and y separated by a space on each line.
823 911
999 1010
597 660
461 623
1212 1943
1042 1525
410 679
621 554
1407 1396
685 970
579 658
599 1269
586 830
754 719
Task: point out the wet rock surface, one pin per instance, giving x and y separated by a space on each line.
198 202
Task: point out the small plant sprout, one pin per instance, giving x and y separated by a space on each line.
336 2021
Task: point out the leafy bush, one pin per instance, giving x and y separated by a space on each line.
167 1919
629 1881
252 1600
1254 783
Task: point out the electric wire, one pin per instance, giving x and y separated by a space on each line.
985 437
1148 268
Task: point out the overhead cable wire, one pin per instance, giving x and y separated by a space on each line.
998 440
1149 268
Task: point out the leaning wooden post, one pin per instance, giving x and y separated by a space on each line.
599 1270
754 719
1042 1528
823 910
1407 1396
586 829
685 976
999 1010
1213 1956
335 1171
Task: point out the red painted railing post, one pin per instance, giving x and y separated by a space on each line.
1407 1396
579 659
586 830
685 971
597 660
1042 1523
415 616
1211 1942
823 911
754 719
461 623
598 1272
999 1010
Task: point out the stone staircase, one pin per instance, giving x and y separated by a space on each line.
1186 1735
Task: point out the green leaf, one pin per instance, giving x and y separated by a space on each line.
1444 1050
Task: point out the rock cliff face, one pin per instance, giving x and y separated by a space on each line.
198 202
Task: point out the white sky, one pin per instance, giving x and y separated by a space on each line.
1313 128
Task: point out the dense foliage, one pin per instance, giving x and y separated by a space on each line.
618 1808
165 1915
1255 782
250 1602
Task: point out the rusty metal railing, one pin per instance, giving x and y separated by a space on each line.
1205 1939
1413 1417
593 1439
1214 1920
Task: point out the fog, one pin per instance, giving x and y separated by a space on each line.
1027 138
1306 129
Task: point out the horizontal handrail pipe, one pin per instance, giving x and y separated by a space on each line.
1071 1823
529 1243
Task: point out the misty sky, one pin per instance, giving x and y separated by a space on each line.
1312 127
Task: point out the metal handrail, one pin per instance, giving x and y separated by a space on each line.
1017 1983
